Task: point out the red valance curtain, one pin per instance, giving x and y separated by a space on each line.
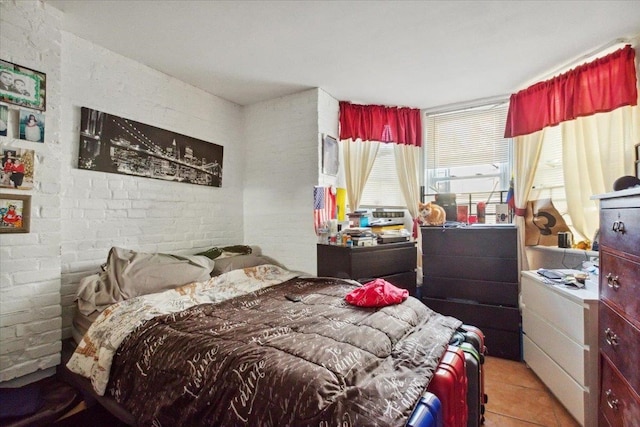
602 85
380 123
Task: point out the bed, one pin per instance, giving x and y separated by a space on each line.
255 345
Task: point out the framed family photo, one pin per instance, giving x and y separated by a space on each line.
22 86
18 167
31 126
15 213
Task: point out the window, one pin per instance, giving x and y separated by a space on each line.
466 154
548 182
383 188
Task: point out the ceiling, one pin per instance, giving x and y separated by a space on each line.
421 54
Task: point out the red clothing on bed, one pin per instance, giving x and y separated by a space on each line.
377 293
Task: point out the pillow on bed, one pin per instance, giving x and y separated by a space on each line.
224 265
128 274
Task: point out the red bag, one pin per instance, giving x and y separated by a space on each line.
377 293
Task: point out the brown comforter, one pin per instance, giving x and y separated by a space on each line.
262 360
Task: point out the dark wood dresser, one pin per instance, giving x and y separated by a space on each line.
471 273
619 329
394 262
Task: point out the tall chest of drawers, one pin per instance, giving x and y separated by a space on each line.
472 273
619 323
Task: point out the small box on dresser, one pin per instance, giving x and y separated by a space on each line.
619 329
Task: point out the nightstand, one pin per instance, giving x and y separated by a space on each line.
393 262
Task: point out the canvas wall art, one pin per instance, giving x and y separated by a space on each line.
22 86
17 168
115 144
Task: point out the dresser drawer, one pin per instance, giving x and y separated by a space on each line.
619 342
405 280
618 404
500 325
564 314
366 261
620 284
496 242
380 263
471 268
482 291
627 240
576 398
566 353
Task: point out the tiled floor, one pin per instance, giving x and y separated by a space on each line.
517 398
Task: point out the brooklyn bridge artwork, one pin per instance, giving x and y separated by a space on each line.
114 144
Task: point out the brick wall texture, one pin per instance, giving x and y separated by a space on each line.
271 163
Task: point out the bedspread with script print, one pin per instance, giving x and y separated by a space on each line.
263 360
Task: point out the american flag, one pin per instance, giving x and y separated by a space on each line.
324 206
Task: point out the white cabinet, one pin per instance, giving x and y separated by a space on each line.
560 340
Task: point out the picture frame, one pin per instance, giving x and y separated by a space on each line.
22 86
330 156
15 213
19 173
31 126
4 119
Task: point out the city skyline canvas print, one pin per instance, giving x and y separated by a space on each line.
115 144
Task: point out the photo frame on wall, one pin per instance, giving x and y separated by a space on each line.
330 156
18 167
4 119
31 126
15 213
22 86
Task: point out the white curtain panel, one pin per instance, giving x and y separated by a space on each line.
407 159
359 157
596 151
527 155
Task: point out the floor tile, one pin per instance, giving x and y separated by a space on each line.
517 397
523 403
511 372
496 420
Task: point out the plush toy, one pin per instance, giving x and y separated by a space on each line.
431 214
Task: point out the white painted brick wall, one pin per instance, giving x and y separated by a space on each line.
271 163
30 312
101 210
282 167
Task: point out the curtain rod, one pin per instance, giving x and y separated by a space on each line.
574 62
466 105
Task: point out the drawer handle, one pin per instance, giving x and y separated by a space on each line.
618 227
611 338
611 401
612 281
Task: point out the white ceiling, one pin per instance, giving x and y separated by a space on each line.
413 53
